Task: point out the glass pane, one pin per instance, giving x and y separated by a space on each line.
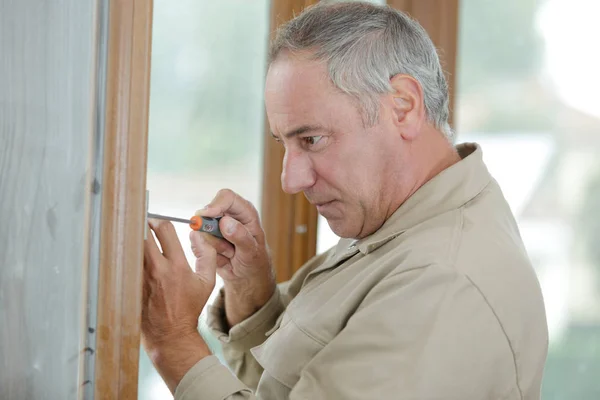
206 116
529 95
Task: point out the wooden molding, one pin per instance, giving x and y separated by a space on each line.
440 20
290 221
123 200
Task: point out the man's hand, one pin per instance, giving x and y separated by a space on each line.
243 259
173 298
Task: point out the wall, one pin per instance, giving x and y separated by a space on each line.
47 102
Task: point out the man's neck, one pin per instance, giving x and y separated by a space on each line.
431 154
435 154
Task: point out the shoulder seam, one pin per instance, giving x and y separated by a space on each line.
457 237
454 260
512 350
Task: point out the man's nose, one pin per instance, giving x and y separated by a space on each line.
297 174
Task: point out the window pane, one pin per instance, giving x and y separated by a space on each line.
527 91
206 116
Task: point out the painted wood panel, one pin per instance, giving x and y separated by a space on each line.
47 114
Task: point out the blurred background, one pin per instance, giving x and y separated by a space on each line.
527 89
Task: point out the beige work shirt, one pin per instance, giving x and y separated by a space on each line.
440 303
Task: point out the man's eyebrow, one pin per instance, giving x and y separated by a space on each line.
300 130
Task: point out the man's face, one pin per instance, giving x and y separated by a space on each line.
342 167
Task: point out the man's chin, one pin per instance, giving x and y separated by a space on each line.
339 227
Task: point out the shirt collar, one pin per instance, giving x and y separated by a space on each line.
449 190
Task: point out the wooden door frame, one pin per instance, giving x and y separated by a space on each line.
123 197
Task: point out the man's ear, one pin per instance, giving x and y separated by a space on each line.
408 106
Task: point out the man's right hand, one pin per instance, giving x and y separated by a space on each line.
243 260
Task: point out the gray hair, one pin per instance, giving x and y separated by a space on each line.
364 45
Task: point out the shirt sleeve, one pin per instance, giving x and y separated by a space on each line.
424 334
237 342
211 380
251 332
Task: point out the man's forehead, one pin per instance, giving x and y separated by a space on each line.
297 73
299 93
295 90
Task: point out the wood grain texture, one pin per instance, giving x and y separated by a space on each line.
46 145
440 20
123 200
290 221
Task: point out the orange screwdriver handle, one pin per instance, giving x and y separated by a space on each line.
206 224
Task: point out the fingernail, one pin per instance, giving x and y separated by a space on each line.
204 210
195 236
229 226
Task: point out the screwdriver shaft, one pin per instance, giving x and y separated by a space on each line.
167 218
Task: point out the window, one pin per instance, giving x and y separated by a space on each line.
527 91
206 116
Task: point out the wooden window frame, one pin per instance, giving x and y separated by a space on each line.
123 196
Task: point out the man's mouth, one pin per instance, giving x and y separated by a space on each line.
322 204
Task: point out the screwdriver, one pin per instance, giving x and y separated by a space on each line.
197 223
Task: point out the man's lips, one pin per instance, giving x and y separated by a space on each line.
321 205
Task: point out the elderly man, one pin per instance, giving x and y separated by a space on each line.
428 295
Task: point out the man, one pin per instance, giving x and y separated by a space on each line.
429 295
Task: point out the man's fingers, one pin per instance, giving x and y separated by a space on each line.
239 236
222 261
145 289
206 264
151 251
222 246
202 243
166 235
227 202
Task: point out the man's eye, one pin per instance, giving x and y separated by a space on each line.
312 140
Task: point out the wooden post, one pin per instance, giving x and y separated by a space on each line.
123 200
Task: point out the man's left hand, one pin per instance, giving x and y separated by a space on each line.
173 298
